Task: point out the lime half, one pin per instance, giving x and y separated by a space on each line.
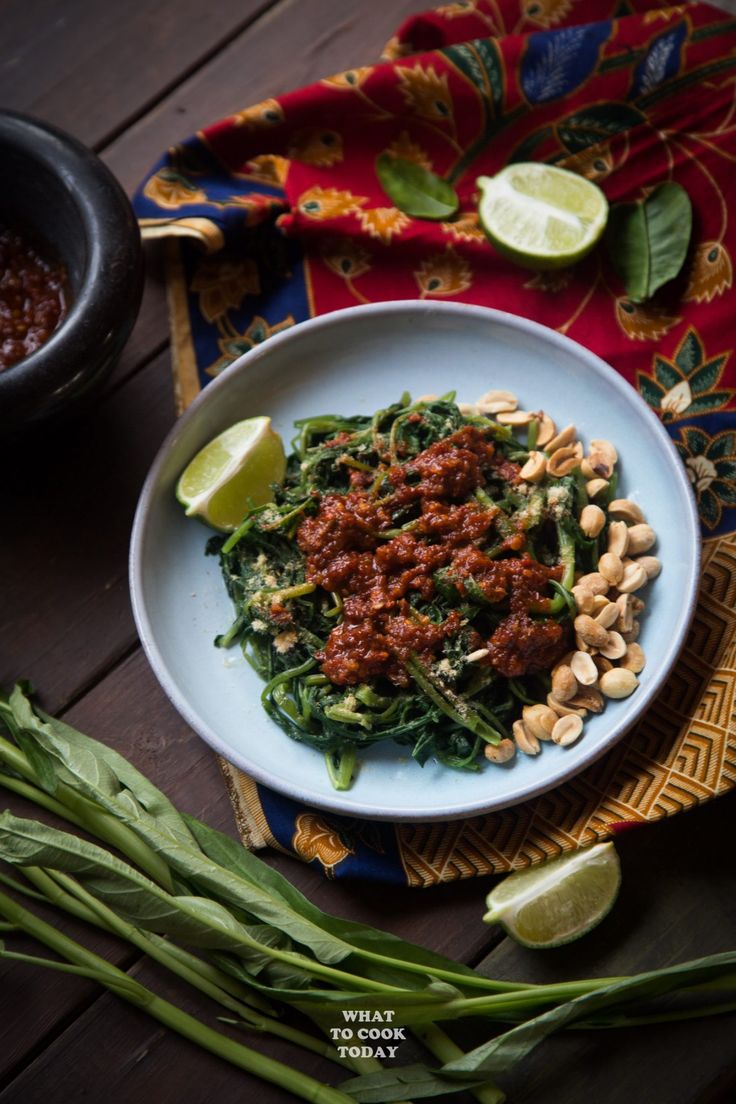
552 904
233 473
541 216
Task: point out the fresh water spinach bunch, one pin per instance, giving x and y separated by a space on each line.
226 923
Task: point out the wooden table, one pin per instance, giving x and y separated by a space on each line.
129 79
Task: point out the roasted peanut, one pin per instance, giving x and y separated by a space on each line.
562 709
496 402
608 615
597 466
588 698
535 467
562 461
525 740
584 599
479 653
564 684
584 669
500 753
602 664
618 683
595 582
651 565
625 608
634 660
625 509
605 448
594 486
618 538
515 417
611 567
633 578
590 631
633 633
546 431
592 520
539 720
615 646
641 538
567 731
564 437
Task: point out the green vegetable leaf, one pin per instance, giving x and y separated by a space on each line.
648 241
101 768
415 190
390 1085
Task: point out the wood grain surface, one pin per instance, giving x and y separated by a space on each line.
130 79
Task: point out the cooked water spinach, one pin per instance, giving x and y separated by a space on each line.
411 581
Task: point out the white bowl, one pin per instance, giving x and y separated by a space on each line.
355 361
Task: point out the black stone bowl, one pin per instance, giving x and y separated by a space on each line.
58 189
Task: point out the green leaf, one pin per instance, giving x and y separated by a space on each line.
709 508
100 767
132 896
415 190
595 124
722 445
706 377
696 440
690 353
666 373
401 1082
650 391
480 62
704 403
232 856
648 241
726 492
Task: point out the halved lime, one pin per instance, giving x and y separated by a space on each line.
233 473
552 904
541 216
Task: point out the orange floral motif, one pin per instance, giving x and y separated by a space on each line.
315 839
234 344
383 222
316 146
465 228
711 272
643 321
351 78
426 92
222 285
268 168
594 163
394 49
346 259
171 190
326 203
407 150
545 13
268 113
443 274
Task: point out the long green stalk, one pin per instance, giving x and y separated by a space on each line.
300 1084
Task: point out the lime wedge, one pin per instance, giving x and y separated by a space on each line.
540 216
552 904
233 473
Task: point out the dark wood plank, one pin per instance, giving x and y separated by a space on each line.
294 45
677 902
90 67
68 510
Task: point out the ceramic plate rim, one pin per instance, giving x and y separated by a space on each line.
331 801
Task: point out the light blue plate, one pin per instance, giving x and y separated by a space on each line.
355 361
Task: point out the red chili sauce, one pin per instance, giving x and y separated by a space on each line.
374 575
32 296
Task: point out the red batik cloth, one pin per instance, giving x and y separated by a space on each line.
278 216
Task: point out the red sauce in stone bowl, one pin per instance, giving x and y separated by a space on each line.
33 295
